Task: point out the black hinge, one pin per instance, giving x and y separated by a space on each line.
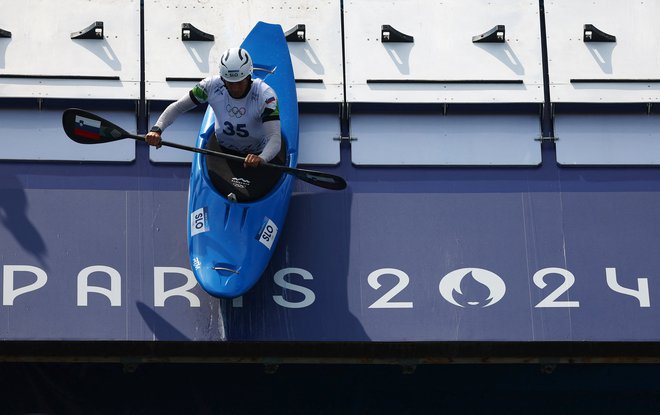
592 34
390 34
296 33
191 33
494 35
93 31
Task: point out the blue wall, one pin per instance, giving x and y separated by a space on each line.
484 232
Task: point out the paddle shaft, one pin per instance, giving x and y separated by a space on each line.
85 127
201 150
300 173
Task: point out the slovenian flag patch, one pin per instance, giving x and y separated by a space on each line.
88 128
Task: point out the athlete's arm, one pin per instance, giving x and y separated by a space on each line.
273 136
171 113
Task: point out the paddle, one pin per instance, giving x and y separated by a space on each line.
87 128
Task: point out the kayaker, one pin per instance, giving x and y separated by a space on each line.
246 110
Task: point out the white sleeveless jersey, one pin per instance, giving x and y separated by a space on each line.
239 123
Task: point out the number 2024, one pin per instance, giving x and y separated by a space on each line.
550 301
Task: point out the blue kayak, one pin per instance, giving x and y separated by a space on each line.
231 241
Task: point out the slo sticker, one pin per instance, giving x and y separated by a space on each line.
268 233
199 221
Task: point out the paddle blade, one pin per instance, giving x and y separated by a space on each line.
320 179
86 128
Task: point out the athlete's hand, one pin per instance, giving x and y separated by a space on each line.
153 139
252 160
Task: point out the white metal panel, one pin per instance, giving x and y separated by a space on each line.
317 144
183 131
319 134
634 59
41 60
317 63
38 135
443 54
608 139
386 139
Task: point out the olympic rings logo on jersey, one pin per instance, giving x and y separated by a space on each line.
235 111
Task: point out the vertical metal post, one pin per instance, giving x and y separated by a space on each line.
547 124
142 113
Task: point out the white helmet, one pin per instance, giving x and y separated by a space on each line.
235 65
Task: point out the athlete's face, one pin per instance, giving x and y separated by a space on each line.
237 89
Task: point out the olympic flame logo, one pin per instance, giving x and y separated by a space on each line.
478 280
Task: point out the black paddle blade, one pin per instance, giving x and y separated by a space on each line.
320 179
86 128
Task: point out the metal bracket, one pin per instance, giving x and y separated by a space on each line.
345 117
349 138
5 33
495 35
296 33
191 33
93 31
542 139
592 34
389 34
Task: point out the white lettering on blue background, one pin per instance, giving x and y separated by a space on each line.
113 293
9 294
160 295
641 294
450 285
309 295
384 301
551 301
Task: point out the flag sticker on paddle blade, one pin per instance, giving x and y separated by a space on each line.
267 233
88 128
199 221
